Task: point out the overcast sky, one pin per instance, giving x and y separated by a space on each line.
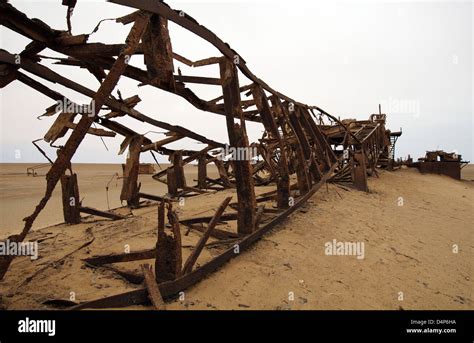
415 58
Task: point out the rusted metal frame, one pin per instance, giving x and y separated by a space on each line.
17 21
157 52
152 287
124 257
114 126
168 261
156 145
223 174
70 199
170 288
182 19
95 212
130 187
221 97
78 134
306 135
335 120
190 158
268 120
320 138
295 156
238 138
216 233
198 80
303 143
318 153
188 265
202 172
178 169
289 136
142 76
116 105
84 52
198 63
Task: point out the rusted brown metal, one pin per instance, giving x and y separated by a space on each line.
295 142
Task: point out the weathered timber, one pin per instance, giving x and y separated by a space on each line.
188 265
130 186
152 287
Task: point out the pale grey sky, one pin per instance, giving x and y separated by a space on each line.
346 57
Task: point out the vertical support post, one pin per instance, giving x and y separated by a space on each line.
238 138
202 171
157 51
171 182
177 160
130 185
359 171
70 197
268 120
222 173
168 262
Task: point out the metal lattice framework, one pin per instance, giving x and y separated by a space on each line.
300 142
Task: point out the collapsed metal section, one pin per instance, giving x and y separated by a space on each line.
302 146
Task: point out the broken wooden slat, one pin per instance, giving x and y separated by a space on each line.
173 287
124 257
130 173
70 197
168 262
188 266
95 212
156 145
158 52
152 288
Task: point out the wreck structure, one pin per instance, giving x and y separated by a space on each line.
301 149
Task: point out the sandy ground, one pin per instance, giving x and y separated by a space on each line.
409 261
19 193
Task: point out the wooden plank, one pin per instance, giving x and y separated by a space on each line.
158 52
198 80
64 158
170 288
168 262
156 145
222 173
130 187
177 160
268 120
202 172
70 197
188 265
124 257
243 169
95 212
171 182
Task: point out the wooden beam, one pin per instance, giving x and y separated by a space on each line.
95 212
130 186
152 288
70 197
238 138
188 266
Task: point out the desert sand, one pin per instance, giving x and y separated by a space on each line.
408 222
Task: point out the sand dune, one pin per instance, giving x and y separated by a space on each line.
408 249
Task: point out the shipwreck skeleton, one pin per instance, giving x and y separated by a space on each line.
302 147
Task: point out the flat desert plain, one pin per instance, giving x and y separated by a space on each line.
417 232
